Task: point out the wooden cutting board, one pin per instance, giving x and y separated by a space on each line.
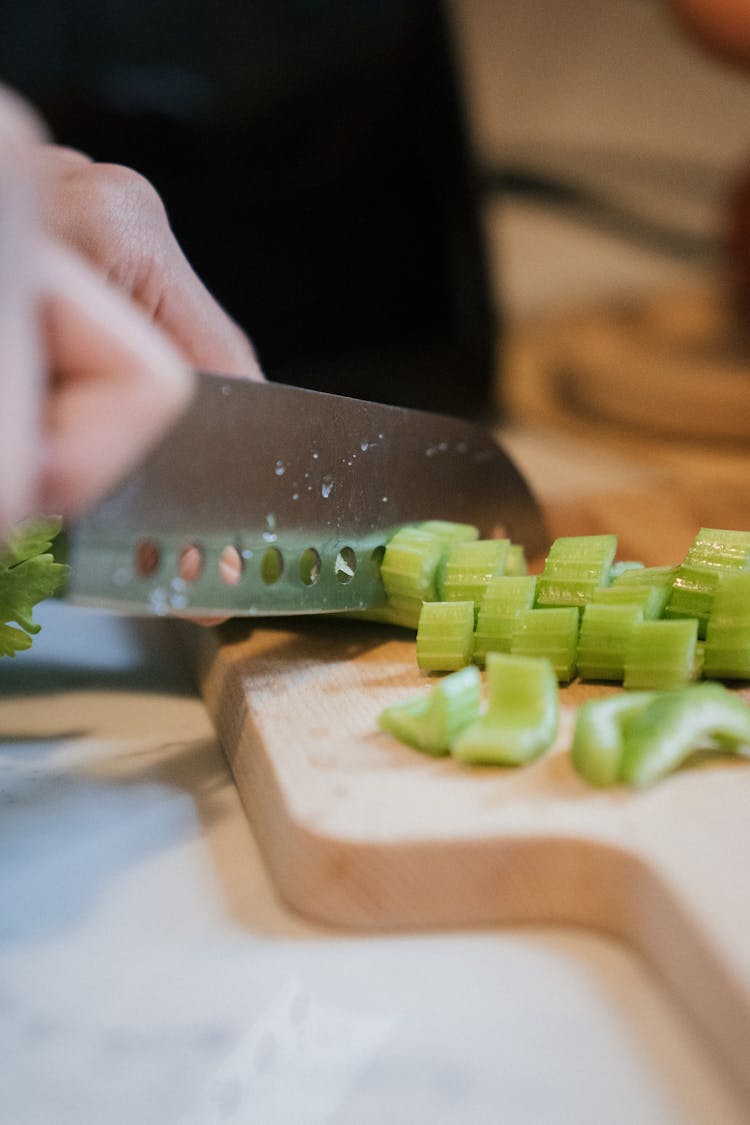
359 831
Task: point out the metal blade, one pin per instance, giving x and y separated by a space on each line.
304 488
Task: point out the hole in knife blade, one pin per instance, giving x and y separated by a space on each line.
345 565
271 566
309 566
147 558
191 562
376 558
230 565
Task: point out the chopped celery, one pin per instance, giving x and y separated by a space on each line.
661 654
401 611
551 633
410 564
712 553
450 533
445 636
503 600
668 730
623 566
727 648
650 598
598 735
432 722
466 569
522 715
575 566
604 638
646 576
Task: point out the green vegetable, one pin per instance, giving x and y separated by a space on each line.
410 564
450 533
598 735
727 648
522 715
712 553
645 576
445 636
503 600
551 633
604 638
516 565
662 654
28 575
432 722
466 569
662 735
575 566
651 598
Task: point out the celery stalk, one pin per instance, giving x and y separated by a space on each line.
551 633
598 740
445 636
503 600
713 552
575 566
604 638
432 722
662 654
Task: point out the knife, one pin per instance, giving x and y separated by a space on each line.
284 500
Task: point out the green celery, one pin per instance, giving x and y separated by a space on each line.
466 569
445 636
410 563
432 722
28 575
450 533
551 633
713 552
598 740
646 576
503 600
727 648
575 566
604 638
662 654
650 598
667 731
522 716
516 565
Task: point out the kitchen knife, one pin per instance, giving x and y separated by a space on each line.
284 499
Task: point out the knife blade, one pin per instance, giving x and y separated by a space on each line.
301 489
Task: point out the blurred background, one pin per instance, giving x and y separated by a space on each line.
378 192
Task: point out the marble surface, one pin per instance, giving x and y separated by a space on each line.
148 973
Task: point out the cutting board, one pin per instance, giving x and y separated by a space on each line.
361 832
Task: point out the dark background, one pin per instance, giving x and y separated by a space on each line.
313 160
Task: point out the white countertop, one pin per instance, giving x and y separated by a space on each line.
148 973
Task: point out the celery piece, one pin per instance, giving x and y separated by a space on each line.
668 730
662 654
466 569
450 533
598 742
650 598
401 611
646 576
503 600
603 640
410 564
551 633
575 566
713 552
522 715
432 722
727 647
516 565
445 636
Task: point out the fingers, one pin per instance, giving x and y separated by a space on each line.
117 220
116 383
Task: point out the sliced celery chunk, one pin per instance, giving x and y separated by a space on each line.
646 576
662 654
651 599
522 715
466 569
445 636
516 565
503 600
727 648
432 722
410 564
713 552
623 566
575 566
598 735
551 633
668 730
604 638
450 533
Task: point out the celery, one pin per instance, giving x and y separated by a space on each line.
551 633
650 598
516 565
712 553
604 638
445 636
410 564
598 740
575 566
450 533
665 733
623 566
504 598
522 715
662 654
466 569
646 576
432 722
727 648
